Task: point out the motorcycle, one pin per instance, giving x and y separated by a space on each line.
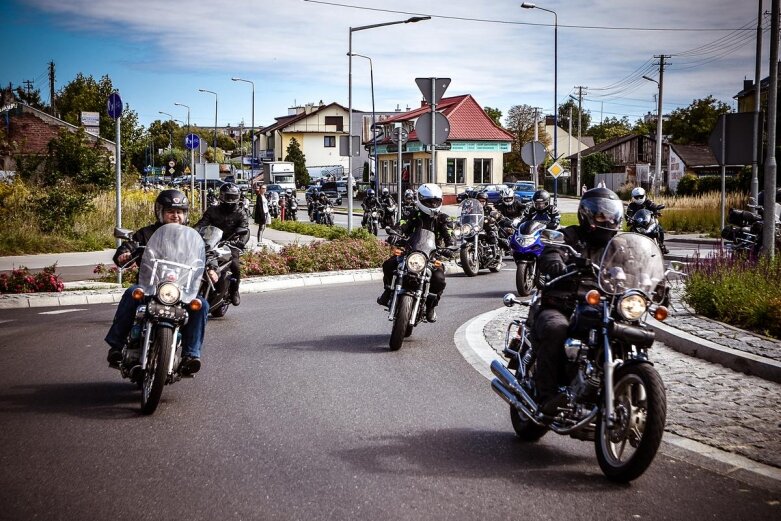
417 258
292 209
646 222
526 245
170 271
219 255
743 233
479 242
373 219
615 398
273 204
389 214
324 214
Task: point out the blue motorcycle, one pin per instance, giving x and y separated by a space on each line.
526 248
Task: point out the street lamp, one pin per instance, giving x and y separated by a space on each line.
215 120
374 133
252 133
530 5
350 102
170 134
192 150
658 172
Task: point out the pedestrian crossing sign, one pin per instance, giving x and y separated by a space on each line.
555 169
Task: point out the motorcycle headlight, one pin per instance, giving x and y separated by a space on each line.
466 230
456 233
168 293
416 262
632 306
528 240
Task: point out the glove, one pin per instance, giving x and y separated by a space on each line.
578 263
446 253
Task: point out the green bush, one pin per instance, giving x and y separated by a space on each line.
738 290
688 185
319 230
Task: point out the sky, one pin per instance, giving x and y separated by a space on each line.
161 52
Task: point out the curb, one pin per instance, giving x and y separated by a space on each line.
695 346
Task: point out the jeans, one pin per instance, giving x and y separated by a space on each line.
192 332
550 331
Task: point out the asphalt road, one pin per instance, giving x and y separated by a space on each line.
301 412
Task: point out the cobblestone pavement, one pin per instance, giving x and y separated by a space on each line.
705 401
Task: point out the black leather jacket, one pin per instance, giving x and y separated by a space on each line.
436 223
634 207
228 220
512 210
141 237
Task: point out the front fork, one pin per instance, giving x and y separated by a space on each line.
609 366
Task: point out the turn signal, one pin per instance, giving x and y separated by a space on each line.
437 264
660 313
593 297
138 294
195 305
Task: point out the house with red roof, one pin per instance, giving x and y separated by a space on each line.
472 154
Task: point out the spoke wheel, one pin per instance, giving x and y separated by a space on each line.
156 369
469 261
402 321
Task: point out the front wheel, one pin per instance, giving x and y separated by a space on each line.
156 368
373 227
469 261
401 322
627 449
525 272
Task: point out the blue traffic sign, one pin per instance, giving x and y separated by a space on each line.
192 141
114 105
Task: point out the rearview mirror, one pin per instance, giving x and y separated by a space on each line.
122 233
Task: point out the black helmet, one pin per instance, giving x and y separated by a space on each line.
482 196
541 199
600 213
168 199
229 194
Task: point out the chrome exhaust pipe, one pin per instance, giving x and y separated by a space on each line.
507 395
510 382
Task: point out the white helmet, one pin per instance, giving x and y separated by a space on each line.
638 195
385 191
508 196
429 198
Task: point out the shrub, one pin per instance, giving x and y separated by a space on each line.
319 230
22 281
688 185
109 273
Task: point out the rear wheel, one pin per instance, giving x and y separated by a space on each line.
156 369
525 274
524 428
469 261
221 310
627 449
401 322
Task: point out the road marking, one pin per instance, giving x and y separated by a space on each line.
4 321
60 311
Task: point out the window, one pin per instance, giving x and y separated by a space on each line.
455 170
336 121
329 141
417 175
482 170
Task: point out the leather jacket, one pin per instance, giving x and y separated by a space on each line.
229 220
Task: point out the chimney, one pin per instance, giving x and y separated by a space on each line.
747 84
398 108
423 103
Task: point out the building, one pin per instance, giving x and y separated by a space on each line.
472 154
694 159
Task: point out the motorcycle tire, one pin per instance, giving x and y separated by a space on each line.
627 450
469 261
329 220
526 429
401 322
495 268
525 277
156 369
220 310
373 228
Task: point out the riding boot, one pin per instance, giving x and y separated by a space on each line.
234 293
384 299
431 304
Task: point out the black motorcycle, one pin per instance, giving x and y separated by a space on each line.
417 258
374 219
743 232
323 213
216 283
169 275
646 222
479 237
615 396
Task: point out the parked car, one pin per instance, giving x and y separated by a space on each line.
470 192
524 190
494 192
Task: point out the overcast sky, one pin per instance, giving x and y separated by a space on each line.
158 53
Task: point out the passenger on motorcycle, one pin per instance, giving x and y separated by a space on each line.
599 217
541 209
369 202
639 202
427 216
229 217
171 206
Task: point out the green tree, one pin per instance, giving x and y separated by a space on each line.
610 128
694 124
585 118
296 156
520 122
596 163
32 98
494 114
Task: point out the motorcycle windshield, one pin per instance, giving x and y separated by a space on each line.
175 253
531 227
643 218
471 212
211 236
631 261
422 240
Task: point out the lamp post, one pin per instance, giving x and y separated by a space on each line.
350 103
192 151
374 121
215 120
530 5
170 136
252 132
658 169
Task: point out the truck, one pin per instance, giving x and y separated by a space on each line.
280 173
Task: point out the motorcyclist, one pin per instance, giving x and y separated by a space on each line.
408 204
171 206
386 201
640 202
541 209
509 206
310 203
320 201
368 204
599 216
494 221
290 200
427 216
229 217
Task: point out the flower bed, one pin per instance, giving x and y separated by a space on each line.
22 281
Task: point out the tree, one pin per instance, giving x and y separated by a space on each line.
494 114
694 124
585 118
610 128
296 156
596 163
520 122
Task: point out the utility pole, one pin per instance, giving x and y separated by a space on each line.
658 173
755 153
51 89
768 231
29 88
578 184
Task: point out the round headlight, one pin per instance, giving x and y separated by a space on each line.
168 293
456 233
632 306
416 262
466 230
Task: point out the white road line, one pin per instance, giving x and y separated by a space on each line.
60 311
